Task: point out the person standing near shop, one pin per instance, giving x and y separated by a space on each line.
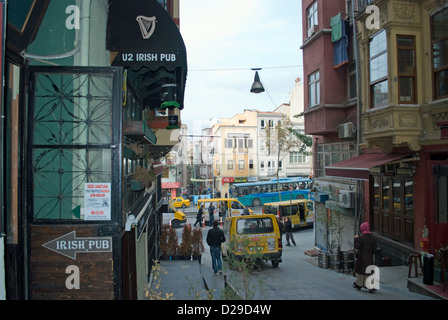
215 237
365 244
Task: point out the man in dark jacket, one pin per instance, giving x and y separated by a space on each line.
215 237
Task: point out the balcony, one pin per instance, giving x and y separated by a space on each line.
140 131
393 126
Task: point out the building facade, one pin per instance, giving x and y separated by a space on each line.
330 115
399 168
86 84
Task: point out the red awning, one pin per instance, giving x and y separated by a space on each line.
359 167
158 167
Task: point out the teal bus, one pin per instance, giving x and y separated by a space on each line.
256 194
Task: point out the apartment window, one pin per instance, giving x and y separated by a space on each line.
241 164
314 89
229 143
312 15
230 164
251 164
297 157
439 23
262 123
378 70
331 153
262 166
406 69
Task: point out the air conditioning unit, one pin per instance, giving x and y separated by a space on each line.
346 130
346 199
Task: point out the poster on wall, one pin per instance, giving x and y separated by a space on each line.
97 201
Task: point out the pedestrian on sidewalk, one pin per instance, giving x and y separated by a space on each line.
211 211
281 228
215 237
288 232
199 216
365 244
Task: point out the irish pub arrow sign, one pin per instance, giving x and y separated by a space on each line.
68 245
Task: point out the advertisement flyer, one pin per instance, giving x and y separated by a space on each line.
97 201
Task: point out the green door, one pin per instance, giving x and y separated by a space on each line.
74 182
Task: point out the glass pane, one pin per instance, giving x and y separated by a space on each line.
380 94
442 83
60 176
385 192
376 192
378 67
409 197
406 89
440 24
73 109
378 44
406 61
440 51
397 195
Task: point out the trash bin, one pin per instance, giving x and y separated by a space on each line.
428 269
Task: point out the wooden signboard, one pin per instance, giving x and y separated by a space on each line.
70 262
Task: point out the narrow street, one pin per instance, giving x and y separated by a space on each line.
299 278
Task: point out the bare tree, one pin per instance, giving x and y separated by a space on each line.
282 139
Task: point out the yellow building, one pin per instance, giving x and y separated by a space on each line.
235 157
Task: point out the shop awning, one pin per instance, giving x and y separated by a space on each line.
143 38
359 167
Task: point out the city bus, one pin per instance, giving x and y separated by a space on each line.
256 194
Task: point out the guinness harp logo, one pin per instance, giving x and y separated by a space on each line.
147 25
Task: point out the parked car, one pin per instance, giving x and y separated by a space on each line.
179 202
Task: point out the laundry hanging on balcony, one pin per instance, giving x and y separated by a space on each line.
340 40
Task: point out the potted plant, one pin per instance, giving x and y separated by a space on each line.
197 245
143 177
163 243
185 248
173 245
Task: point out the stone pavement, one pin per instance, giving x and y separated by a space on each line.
189 280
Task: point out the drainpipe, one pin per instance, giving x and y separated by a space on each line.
85 32
359 189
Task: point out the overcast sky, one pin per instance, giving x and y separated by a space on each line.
224 40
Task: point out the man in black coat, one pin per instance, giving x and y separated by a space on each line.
215 237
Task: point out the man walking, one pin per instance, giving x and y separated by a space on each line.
288 231
215 237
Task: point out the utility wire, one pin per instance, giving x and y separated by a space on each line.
239 69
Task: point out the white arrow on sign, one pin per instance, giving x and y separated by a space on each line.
68 245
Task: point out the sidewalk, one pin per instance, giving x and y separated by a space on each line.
190 280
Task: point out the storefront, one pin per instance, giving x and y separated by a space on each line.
80 224
404 198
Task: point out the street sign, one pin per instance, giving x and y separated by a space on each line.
68 245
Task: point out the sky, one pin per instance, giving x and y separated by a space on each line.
225 39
